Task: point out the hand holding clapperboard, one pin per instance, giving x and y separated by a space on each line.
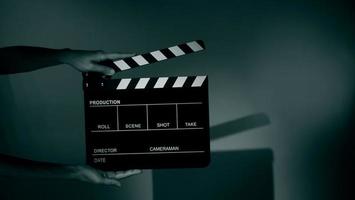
159 122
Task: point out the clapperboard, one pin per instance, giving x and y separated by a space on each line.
155 122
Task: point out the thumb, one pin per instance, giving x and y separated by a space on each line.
114 182
124 174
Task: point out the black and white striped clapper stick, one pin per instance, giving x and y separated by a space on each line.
160 82
159 55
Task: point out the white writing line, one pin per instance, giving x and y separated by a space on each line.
137 153
157 129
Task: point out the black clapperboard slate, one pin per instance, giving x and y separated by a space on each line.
156 122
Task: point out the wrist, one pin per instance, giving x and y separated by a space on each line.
64 55
72 172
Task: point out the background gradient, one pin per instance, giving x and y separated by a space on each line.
291 60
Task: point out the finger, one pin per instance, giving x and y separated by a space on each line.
115 56
102 69
108 181
120 175
101 56
110 174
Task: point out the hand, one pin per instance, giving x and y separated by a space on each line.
87 61
91 175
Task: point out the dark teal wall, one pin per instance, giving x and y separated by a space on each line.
293 61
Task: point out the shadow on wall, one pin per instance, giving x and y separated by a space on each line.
239 125
243 175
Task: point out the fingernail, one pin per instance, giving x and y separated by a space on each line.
111 72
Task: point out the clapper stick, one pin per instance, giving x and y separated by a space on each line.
156 56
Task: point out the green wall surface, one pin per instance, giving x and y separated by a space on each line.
292 61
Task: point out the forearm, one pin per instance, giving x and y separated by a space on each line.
17 167
18 59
